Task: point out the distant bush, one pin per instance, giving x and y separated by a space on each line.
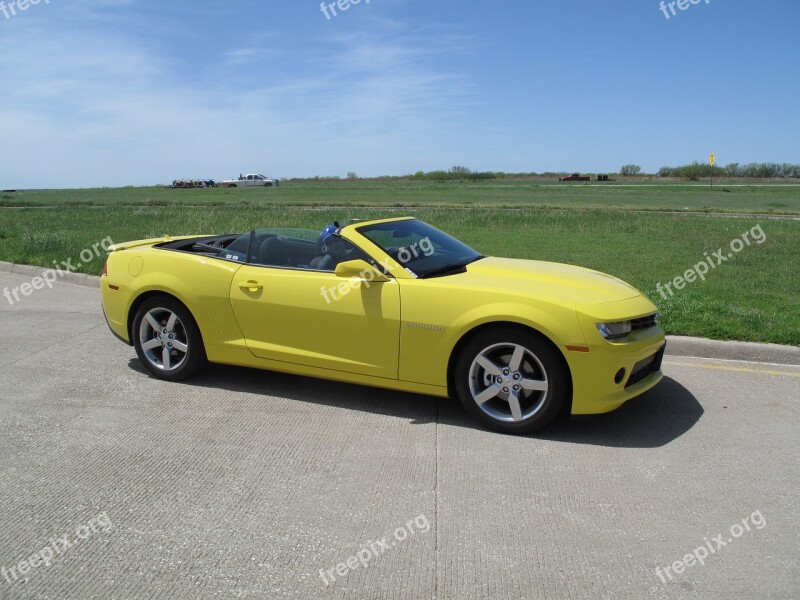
630 170
459 170
455 173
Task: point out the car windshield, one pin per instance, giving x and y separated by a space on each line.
420 248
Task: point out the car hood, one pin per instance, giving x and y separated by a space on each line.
566 283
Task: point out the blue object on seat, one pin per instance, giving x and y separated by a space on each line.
328 232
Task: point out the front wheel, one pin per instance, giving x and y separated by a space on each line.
167 339
511 380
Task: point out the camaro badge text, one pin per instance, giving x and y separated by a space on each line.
424 326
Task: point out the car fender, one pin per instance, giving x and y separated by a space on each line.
426 349
203 287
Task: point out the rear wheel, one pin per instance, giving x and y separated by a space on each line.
167 339
511 380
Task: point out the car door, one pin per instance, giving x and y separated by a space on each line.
317 319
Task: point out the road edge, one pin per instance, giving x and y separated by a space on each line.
63 276
676 345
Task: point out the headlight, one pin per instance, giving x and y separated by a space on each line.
614 331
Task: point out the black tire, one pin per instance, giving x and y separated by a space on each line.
175 350
488 379
232 185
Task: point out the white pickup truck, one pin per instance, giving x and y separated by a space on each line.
250 180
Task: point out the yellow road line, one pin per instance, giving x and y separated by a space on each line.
729 368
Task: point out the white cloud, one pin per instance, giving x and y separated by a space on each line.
88 109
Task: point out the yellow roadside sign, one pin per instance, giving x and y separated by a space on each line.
712 159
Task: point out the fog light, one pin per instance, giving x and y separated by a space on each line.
619 376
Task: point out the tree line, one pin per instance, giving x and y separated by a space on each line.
758 170
692 171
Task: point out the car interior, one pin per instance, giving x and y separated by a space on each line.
271 249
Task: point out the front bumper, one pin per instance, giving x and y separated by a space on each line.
612 372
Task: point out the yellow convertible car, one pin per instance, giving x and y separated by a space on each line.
392 303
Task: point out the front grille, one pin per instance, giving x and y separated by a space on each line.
646 367
644 322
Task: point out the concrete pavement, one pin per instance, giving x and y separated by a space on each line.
244 483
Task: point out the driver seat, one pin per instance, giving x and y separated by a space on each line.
273 252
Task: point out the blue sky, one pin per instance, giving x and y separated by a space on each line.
135 92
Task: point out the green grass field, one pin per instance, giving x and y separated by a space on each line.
755 295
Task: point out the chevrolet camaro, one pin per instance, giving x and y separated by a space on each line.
392 303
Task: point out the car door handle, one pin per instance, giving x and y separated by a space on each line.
250 285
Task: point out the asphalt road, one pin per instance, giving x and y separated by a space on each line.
250 484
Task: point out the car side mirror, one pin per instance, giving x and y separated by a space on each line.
361 269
